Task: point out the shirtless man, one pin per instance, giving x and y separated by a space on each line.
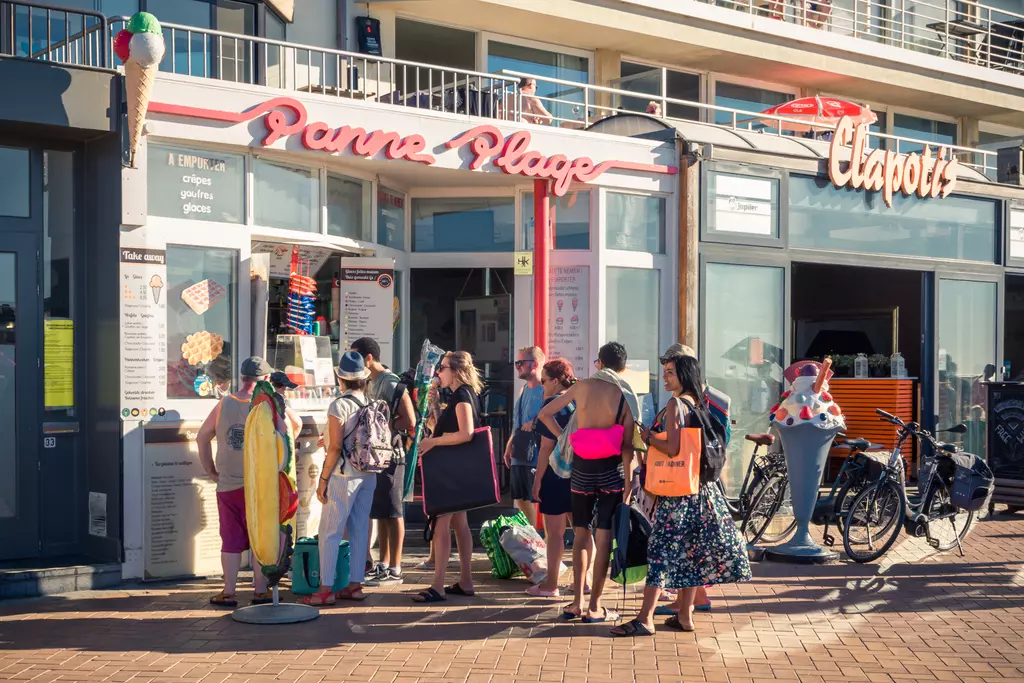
534 110
598 485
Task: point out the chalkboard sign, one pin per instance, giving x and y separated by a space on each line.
1006 430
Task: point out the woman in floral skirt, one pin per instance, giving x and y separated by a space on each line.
694 542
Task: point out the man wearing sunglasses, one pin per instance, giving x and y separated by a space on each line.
523 446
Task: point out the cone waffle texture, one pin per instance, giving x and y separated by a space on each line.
202 347
202 295
139 83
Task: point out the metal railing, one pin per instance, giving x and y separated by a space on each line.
51 33
576 106
206 53
961 30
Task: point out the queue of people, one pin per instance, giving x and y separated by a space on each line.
573 453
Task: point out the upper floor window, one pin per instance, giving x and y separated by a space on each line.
565 102
645 79
746 99
918 128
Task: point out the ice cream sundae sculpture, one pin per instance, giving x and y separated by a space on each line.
807 420
141 47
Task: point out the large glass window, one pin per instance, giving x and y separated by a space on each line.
201 301
571 215
196 184
464 224
286 197
565 102
14 199
747 99
824 217
8 384
196 53
58 284
633 317
936 132
744 334
391 220
967 357
348 207
641 78
634 222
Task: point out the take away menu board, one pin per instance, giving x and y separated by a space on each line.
368 303
569 317
143 332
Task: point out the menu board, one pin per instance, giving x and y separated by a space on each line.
59 363
181 528
1005 451
569 317
143 331
281 257
195 184
368 303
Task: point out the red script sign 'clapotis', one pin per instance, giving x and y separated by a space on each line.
512 155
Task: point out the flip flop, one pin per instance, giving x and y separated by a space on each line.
674 624
427 596
538 592
317 599
351 594
631 630
702 608
664 611
608 616
456 589
262 598
224 600
567 615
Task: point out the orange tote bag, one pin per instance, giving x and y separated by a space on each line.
678 475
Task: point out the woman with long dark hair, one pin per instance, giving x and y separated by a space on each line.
695 542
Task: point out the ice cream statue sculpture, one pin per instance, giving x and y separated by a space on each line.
140 45
807 419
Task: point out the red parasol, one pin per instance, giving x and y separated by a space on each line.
817 113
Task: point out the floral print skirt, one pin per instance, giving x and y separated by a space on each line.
695 543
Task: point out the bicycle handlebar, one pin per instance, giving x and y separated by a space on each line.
889 417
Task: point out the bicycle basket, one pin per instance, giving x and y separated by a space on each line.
872 464
973 482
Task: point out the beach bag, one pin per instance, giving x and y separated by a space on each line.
973 482
306 566
677 475
372 450
632 531
460 478
529 552
502 566
560 461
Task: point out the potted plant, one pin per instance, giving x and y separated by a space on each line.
878 365
842 365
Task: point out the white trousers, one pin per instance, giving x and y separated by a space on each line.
349 499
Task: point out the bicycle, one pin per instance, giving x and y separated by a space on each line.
854 475
763 490
883 507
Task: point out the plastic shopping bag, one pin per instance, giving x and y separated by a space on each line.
528 550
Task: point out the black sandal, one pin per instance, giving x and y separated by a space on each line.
676 625
427 596
631 630
457 589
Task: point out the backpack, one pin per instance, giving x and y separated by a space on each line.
372 450
718 405
632 531
712 455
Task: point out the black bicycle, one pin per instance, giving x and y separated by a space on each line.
882 508
764 488
854 474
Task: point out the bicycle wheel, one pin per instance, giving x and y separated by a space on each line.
947 524
783 522
763 508
844 499
735 507
874 521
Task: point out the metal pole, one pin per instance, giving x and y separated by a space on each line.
541 245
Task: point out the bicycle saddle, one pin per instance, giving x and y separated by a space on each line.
857 444
947 447
761 439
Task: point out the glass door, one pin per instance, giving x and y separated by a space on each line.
967 355
19 395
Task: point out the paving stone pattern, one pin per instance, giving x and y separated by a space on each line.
916 616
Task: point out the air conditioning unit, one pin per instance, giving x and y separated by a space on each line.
1009 162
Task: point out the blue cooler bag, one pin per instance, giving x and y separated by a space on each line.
306 566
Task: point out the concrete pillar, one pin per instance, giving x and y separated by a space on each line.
606 69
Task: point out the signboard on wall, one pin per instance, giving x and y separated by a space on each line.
569 317
143 332
196 184
1017 233
742 205
368 303
281 258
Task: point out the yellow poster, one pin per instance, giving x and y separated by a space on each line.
59 363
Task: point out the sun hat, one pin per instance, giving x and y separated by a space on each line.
351 366
675 351
254 366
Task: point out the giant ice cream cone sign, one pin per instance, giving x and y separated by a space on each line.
807 420
141 47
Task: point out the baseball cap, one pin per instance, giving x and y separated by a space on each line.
280 379
255 366
675 351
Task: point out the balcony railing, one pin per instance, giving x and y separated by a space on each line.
962 30
576 106
55 34
238 58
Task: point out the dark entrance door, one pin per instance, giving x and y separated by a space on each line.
19 393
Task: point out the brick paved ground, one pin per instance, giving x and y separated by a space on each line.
919 616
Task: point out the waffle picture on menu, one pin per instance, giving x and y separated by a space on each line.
202 347
202 295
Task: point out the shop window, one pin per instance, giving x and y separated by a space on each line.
285 197
936 132
58 283
201 340
464 224
14 194
634 222
824 217
740 206
641 78
391 219
565 102
196 184
198 54
633 319
746 99
424 43
348 207
571 214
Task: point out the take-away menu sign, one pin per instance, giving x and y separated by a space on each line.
569 316
368 303
143 331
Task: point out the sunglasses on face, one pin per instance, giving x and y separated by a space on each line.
521 363
445 367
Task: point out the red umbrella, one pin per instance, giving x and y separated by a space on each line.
817 113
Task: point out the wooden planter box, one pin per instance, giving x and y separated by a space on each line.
858 399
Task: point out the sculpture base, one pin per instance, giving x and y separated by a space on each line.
282 613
